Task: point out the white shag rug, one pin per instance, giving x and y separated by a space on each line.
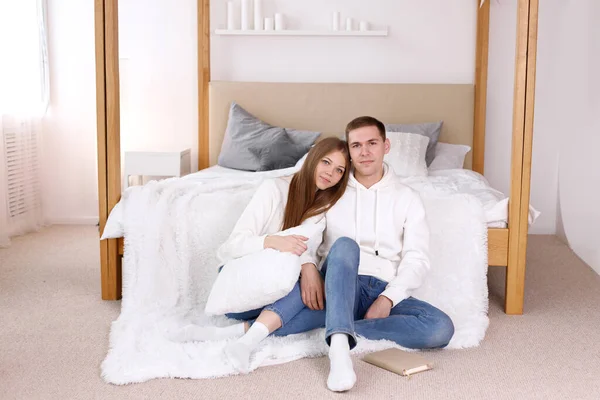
172 230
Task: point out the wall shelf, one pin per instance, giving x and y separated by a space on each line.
226 32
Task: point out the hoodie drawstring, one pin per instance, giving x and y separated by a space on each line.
357 227
388 175
357 232
376 220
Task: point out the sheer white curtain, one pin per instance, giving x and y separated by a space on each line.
23 101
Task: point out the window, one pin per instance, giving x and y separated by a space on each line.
23 57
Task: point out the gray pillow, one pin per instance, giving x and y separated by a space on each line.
430 129
283 152
245 131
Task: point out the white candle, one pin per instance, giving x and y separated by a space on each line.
348 24
335 22
230 16
364 26
244 14
268 24
258 20
279 22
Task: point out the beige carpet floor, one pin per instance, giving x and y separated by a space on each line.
54 335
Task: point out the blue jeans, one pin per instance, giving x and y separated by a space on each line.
286 308
412 323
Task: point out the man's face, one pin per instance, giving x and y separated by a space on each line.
367 149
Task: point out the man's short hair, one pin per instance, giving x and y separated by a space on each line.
361 122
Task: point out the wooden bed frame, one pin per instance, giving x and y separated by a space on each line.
506 247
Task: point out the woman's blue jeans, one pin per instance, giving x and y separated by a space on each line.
286 308
412 323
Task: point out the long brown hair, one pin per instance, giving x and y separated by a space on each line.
303 200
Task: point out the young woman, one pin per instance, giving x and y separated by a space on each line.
279 204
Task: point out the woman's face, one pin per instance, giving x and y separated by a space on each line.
330 170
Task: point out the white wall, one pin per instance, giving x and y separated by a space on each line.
430 41
158 73
544 174
501 68
577 63
70 179
158 95
544 171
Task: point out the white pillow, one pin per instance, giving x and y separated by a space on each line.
258 279
449 156
407 153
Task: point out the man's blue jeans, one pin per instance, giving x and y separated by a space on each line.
412 323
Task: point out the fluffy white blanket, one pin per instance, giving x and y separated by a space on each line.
172 229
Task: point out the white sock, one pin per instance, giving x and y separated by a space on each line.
197 333
238 352
341 373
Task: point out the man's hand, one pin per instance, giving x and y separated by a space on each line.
380 308
312 287
288 244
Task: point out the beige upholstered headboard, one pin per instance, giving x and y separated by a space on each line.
328 107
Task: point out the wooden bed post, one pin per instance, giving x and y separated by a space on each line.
203 80
481 76
108 136
522 140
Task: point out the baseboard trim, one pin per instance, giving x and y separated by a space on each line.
73 221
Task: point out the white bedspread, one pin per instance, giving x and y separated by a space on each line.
494 202
444 182
172 229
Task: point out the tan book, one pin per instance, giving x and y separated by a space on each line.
398 361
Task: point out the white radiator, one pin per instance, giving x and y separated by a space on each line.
21 153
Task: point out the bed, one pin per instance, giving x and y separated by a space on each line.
327 107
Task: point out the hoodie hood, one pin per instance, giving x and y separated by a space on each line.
387 179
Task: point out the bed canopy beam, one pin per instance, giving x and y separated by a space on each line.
108 136
522 143
203 81
481 75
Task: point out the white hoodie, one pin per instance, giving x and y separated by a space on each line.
388 222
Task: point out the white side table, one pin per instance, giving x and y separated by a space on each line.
157 163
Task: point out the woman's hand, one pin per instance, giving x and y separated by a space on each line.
287 244
312 287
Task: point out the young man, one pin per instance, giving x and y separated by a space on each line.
376 251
